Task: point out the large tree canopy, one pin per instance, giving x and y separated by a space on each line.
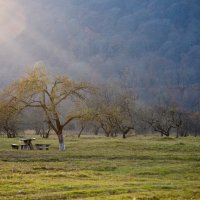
39 89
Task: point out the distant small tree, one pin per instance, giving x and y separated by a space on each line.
10 129
84 124
114 110
42 130
195 123
164 119
8 118
96 128
127 108
180 121
81 126
159 118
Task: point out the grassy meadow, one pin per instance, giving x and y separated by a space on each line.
91 168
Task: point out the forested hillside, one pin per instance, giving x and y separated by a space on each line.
151 45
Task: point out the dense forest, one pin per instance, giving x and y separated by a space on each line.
152 46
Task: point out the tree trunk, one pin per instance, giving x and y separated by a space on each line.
61 142
177 132
107 134
126 131
82 128
185 134
167 134
96 130
195 134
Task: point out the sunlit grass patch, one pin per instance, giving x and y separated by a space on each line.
103 168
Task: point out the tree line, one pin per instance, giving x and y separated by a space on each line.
113 109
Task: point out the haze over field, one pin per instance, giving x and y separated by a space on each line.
156 42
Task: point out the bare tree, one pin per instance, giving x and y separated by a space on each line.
42 129
81 126
96 128
9 128
126 105
159 119
196 123
8 118
164 119
114 109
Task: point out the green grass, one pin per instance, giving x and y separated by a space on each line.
102 168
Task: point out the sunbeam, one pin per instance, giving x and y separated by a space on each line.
12 23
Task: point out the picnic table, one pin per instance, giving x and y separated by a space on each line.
27 144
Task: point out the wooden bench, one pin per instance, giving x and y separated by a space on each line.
42 146
19 146
15 146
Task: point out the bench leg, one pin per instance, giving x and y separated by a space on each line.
15 147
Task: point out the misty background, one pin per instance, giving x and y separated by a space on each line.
152 46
